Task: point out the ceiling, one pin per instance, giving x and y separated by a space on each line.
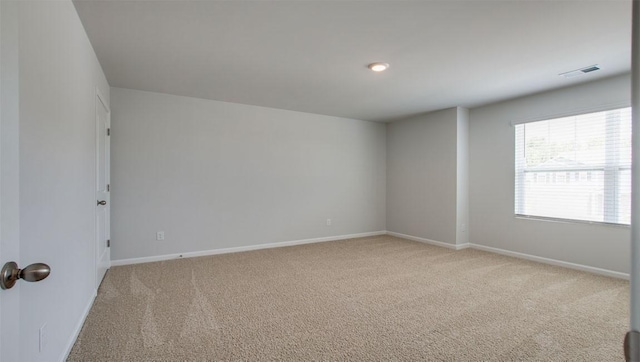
312 56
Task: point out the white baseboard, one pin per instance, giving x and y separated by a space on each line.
429 241
194 254
78 328
515 254
539 259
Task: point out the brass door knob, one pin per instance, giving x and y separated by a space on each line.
10 274
102 202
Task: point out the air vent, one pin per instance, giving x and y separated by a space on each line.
590 69
581 71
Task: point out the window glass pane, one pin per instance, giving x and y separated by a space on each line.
566 141
624 196
624 140
575 167
548 194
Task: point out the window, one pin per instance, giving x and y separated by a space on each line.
576 168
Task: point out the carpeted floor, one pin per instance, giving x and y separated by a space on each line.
377 298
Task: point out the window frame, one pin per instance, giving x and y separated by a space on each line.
611 178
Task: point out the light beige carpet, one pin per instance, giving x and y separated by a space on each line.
378 298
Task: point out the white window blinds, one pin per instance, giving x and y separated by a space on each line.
576 168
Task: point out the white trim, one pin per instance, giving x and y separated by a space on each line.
79 326
102 100
569 221
429 241
515 254
194 254
539 259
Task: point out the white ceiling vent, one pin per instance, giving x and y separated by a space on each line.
581 71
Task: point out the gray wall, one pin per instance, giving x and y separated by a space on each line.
491 175
462 176
422 176
58 76
215 175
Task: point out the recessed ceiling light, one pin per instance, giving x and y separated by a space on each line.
378 67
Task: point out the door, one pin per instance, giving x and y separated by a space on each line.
103 254
9 182
9 179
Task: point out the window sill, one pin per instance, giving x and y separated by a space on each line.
569 221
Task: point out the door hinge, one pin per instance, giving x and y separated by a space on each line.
108 243
108 187
108 131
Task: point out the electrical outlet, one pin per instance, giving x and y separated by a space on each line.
160 235
328 222
42 338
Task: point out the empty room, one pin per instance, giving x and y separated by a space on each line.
319 180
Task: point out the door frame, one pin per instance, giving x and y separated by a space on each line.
100 98
10 331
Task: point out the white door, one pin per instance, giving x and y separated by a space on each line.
9 179
103 255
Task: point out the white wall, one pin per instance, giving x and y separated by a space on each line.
215 175
422 174
58 76
491 176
